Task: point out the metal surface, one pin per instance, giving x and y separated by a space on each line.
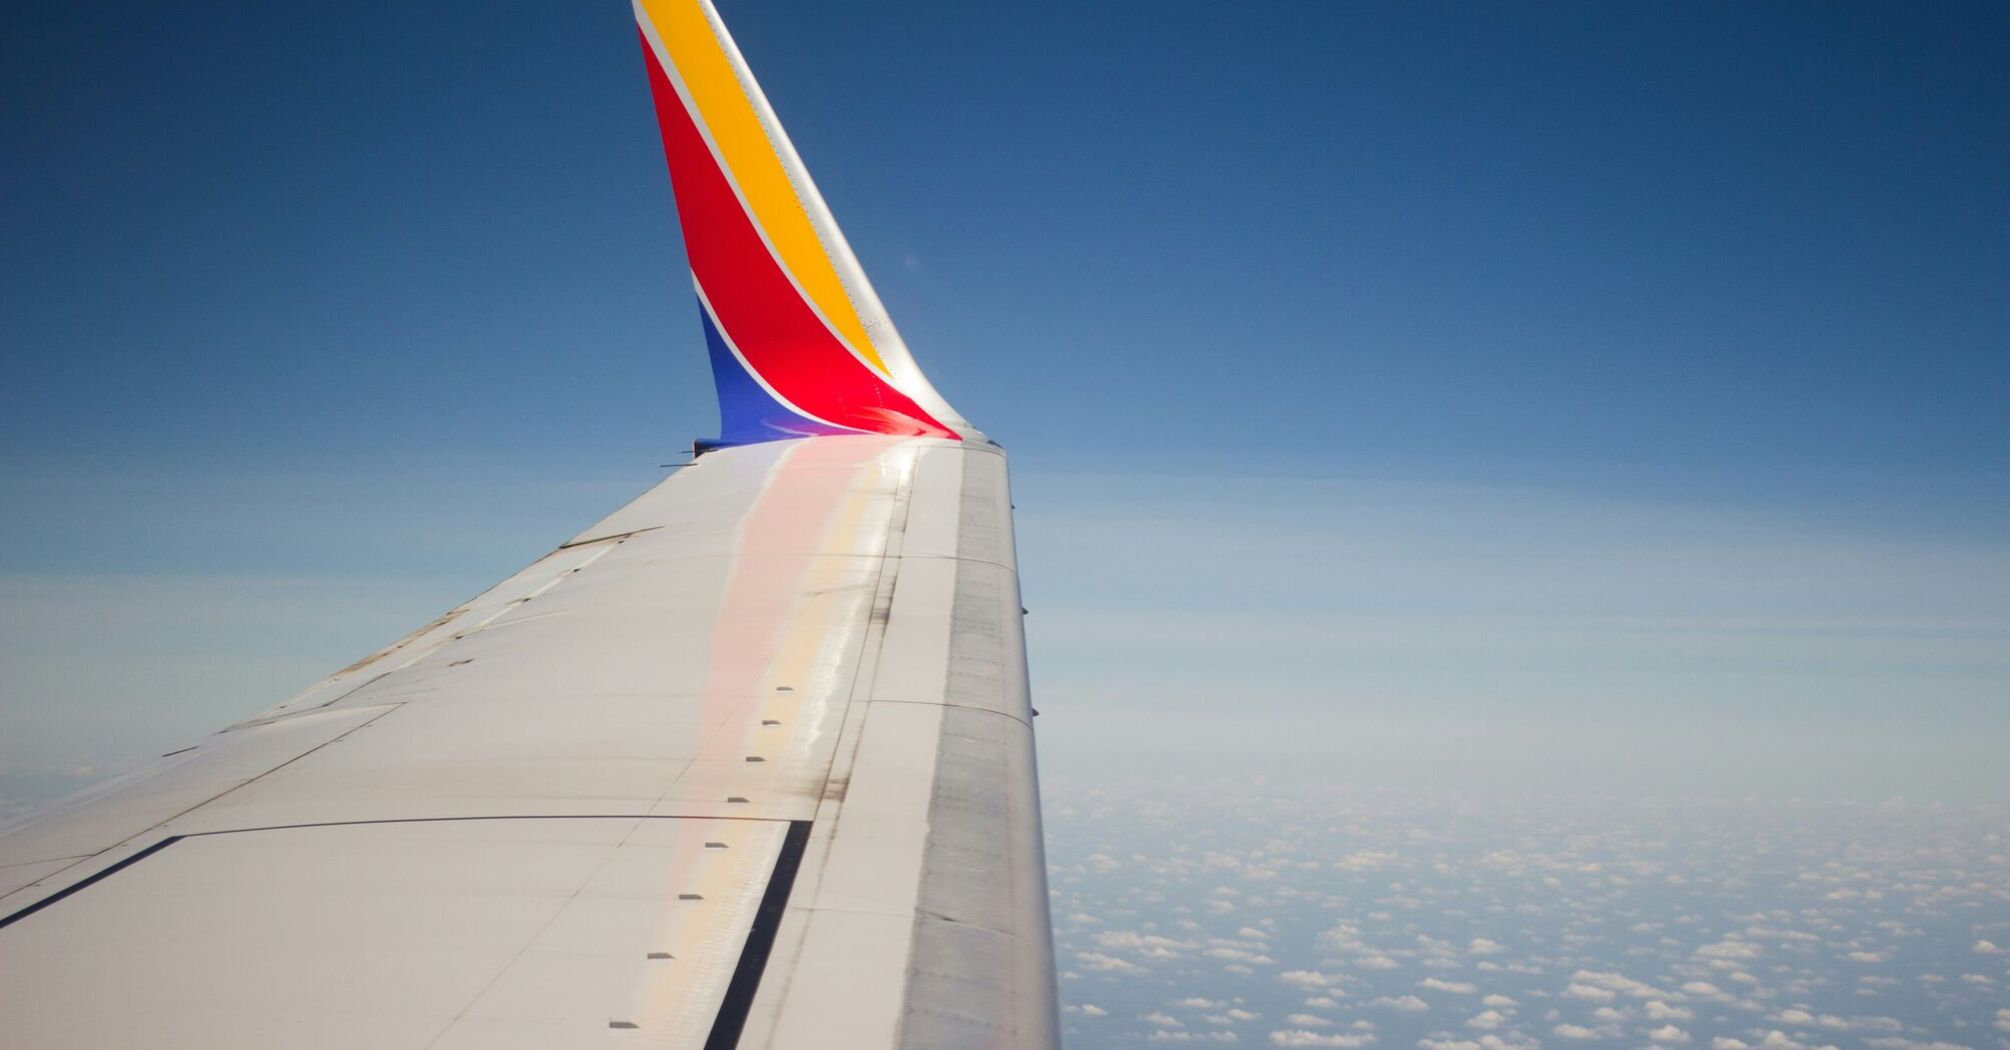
538 821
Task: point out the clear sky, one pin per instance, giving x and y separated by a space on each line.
1497 389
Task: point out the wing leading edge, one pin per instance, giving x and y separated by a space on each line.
748 763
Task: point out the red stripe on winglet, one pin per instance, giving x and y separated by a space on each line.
760 310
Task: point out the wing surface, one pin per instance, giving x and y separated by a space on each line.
748 763
792 673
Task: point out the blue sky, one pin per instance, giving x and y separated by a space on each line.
1617 308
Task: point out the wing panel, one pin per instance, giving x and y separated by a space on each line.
927 857
438 933
551 815
132 805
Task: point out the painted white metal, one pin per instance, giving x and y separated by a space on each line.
125 811
476 933
482 835
942 754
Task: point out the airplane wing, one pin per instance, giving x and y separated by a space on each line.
747 763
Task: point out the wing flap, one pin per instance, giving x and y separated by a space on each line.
478 933
131 806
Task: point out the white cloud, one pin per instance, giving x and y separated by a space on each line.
1107 963
1616 983
1300 1037
1345 937
1859 1024
1591 992
1482 946
1161 1019
1365 860
1487 1019
1770 933
1582 977
1730 950
1149 945
1240 955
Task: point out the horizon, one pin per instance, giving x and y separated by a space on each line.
1510 500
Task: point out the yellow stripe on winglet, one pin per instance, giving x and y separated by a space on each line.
736 129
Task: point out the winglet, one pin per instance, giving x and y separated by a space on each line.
799 342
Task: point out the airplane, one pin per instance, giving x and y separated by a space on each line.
747 763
